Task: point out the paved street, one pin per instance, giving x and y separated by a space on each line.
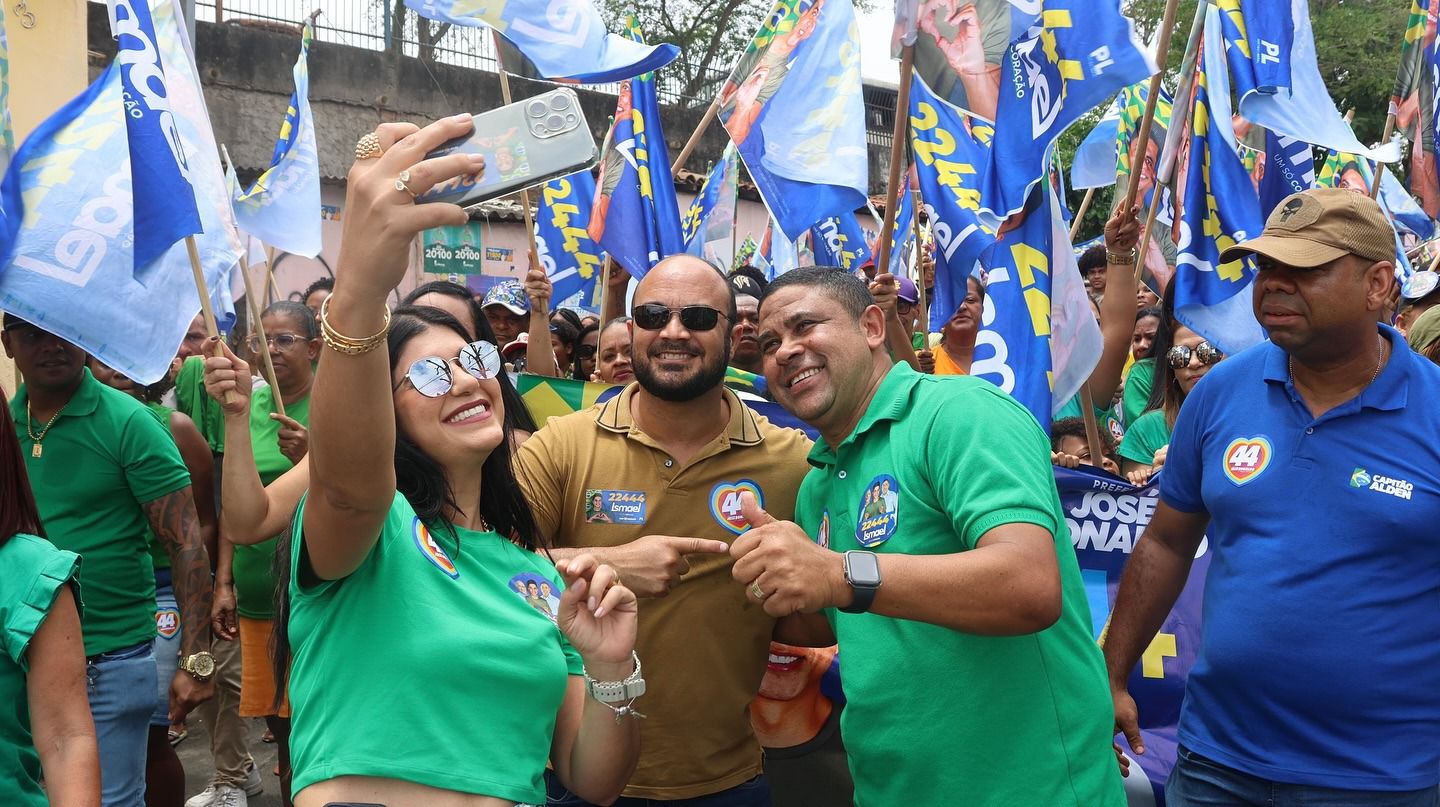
195 756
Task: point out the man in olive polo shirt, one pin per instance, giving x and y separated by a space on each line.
103 468
669 457
970 673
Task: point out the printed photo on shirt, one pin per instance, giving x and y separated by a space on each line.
538 592
879 511
614 506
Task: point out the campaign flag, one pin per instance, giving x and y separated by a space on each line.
1094 163
902 233
7 134
1271 53
1404 212
636 217
1219 207
777 253
711 215
69 184
746 253
1072 58
1289 168
1412 103
839 241
1132 111
566 41
282 208
570 258
951 150
165 209
1107 518
1038 339
794 108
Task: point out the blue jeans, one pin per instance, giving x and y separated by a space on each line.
1198 781
121 684
754 793
167 645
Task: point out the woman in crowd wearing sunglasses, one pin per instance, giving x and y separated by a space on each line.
421 676
1181 358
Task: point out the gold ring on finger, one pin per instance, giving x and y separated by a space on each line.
368 146
400 185
757 592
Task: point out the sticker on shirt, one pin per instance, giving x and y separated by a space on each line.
432 550
1247 458
879 511
822 537
614 507
1399 488
538 592
725 504
167 623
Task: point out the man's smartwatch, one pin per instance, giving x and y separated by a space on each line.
200 665
862 572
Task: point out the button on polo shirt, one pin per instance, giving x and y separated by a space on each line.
934 716
1320 650
705 645
104 457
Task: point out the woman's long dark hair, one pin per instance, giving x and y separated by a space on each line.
421 480
18 512
517 416
1165 392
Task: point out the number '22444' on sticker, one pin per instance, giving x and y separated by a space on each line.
615 506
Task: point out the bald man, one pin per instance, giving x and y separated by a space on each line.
666 460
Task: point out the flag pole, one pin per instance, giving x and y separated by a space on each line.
897 151
704 124
918 268
206 311
1167 25
524 194
1080 214
1087 400
1144 242
1384 138
255 314
272 291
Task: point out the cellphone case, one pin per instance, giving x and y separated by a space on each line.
525 143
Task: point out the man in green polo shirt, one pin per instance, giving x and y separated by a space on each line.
970 673
103 468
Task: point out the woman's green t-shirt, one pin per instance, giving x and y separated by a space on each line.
1148 434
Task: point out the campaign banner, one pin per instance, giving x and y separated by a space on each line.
1107 517
453 249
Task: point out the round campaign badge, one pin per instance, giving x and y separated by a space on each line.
432 550
167 623
1419 285
1246 458
879 511
537 592
725 504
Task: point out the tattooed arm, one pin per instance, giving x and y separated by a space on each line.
173 519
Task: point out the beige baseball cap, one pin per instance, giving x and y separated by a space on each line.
1318 225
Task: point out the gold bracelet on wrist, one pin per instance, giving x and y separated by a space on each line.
1122 258
349 345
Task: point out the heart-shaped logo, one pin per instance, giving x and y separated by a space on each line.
725 504
1246 458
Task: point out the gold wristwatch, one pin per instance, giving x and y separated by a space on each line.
200 665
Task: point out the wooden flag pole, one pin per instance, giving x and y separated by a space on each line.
1379 166
1092 426
206 311
1167 25
1144 242
897 152
704 124
1080 214
918 269
272 290
259 329
524 194
604 289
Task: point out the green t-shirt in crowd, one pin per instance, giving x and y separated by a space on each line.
105 456
1104 418
1148 434
935 716
159 557
1138 383
192 399
32 571
429 664
254 565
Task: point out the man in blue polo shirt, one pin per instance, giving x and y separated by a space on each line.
1317 679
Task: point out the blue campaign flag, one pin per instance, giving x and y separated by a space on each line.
1219 207
1271 53
165 208
779 252
636 217
66 253
794 108
566 41
711 215
1404 212
839 241
951 149
902 234
1094 163
1289 168
1074 56
570 258
282 208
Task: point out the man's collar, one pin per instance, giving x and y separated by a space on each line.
1390 390
616 416
889 402
83 402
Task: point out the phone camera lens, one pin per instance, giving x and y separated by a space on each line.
538 129
570 119
555 121
559 102
536 109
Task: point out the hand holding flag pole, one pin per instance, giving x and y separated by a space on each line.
1143 139
1087 400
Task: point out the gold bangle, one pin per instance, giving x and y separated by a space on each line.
1122 259
349 345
